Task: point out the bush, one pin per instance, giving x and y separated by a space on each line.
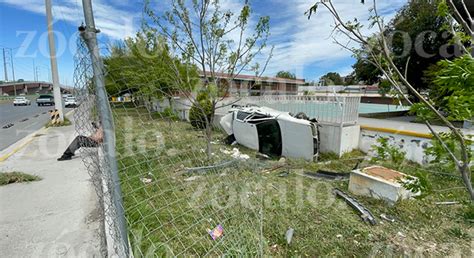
386 152
200 109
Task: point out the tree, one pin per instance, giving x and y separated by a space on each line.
286 75
454 87
144 64
419 39
200 32
332 78
379 53
366 72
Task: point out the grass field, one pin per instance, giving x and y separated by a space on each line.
256 201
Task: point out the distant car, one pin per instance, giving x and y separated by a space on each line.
44 100
21 101
70 102
273 132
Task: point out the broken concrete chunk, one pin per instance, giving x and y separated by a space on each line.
289 235
381 183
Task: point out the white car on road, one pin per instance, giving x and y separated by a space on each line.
70 102
273 132
21 101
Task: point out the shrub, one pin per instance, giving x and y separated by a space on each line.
386 152
200 109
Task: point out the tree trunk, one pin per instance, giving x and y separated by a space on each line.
465 171
209 137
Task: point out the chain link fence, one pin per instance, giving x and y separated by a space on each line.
169 210
177 200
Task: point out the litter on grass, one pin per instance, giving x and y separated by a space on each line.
327 175
217 232
146 180
364 213
289 235
235 153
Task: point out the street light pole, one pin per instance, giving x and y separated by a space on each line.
54 65
13 70
5 65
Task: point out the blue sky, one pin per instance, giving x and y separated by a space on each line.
302 46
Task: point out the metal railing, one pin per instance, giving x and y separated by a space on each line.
335 109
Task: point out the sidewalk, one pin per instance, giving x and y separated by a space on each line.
58 216
404 126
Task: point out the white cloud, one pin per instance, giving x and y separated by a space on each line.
300 42
113 22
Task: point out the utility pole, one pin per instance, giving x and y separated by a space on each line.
13 67
34 71
37 73
13 70
89 35
58 100
5 65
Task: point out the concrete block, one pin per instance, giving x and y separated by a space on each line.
339 140
380 183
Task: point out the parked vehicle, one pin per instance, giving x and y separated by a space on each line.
273 132
65 96
44 100
70 102
21 101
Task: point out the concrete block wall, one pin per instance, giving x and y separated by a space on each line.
339 140
412 145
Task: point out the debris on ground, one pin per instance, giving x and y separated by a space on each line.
381 183
365 214
146 180
289 235
207 168
446 203
400 234
217 232
387 218
338 236
262 156
268 170
282 160
236 154
327 175
7 126
189 179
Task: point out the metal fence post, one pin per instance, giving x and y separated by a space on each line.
106 119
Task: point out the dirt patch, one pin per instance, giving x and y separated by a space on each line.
384 173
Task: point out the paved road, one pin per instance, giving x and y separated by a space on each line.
36 117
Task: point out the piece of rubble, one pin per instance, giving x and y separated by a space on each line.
380 183
146 180
289 235
387 218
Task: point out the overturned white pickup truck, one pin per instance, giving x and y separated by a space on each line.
273 132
